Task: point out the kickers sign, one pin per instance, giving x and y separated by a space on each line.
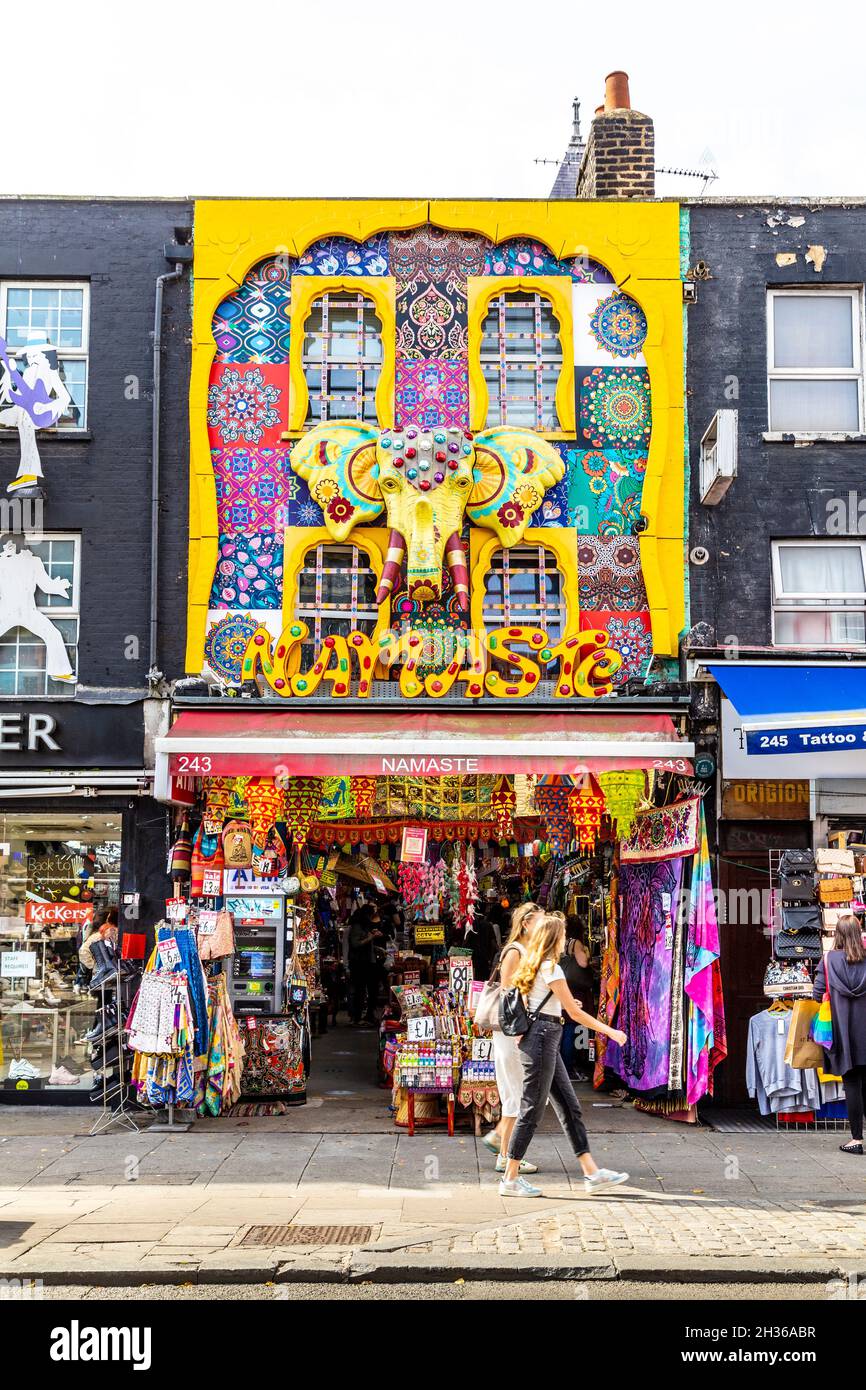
58 914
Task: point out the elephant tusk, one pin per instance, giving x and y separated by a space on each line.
456 560
392 567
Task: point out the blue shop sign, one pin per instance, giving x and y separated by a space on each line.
807 738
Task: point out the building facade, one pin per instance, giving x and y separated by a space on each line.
79 494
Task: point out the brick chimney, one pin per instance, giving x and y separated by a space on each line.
619 160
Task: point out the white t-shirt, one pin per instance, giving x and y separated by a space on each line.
548 972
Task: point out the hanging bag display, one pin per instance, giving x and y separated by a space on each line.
835 861
237 845
797 861
799 937
785 978
835 890
801 1050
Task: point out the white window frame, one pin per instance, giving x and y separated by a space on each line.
315 562
501 361
520 557
362 304
853 373
56 607
783 602
79 354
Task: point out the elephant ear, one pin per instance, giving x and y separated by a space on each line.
513 470
338 462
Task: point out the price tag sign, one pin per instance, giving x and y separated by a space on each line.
459 975
421 1029
169 952
411 977
413 847
212 883
207 923
18 965
176 909
482 1049
412 999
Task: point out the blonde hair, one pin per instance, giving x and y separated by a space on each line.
520 921
548 940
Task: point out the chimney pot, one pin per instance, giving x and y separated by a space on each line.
616 95
599 111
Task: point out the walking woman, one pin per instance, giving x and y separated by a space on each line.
506 1054
541 981
842 972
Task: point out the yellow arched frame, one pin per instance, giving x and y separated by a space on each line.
298 541
555 288
306 289
638 242
562 543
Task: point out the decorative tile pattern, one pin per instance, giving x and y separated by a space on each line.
609 574
431 392
303 511
249 572
254 488
554 509
428 255
604 489
340 256
226 643
630 634
247 404
615 407
252 325
522 257
586 271
619 325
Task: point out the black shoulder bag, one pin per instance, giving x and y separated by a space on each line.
514 1018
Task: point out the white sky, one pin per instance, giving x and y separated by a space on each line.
421 97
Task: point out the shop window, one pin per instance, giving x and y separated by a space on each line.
54 870
814 345
342 358
819 593
521 361
23 664
56 314
524 586
336 595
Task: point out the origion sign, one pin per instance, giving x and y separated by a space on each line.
584 664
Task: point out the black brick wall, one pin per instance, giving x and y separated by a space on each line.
782 490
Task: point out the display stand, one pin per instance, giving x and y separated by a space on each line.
109 1116
169 1125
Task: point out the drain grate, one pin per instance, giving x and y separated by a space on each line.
307 1235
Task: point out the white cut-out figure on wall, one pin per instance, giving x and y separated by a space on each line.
32 399
21 574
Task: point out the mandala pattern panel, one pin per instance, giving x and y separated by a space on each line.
604 490
619 325
303 511
252 325
340 256
249 572
227 638
429 255
432 392
254 489
609 574
247 404
630 635
615 407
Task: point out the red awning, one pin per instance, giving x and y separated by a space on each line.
264 743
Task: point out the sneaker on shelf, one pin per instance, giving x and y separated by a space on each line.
50 998
518 1187
61 1077
605 1177
22 1070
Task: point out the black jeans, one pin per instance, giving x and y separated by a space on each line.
362 990
545 1078
854 1081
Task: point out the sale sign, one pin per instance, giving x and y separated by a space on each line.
58 914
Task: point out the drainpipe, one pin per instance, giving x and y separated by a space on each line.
161 282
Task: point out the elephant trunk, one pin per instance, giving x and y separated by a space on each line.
393 565
456 560
425 545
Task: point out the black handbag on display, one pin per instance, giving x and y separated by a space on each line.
797 888
514 1018
796 861
799 937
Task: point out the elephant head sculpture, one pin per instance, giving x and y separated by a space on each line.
426 481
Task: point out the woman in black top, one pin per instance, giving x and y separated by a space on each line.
842 972
575 962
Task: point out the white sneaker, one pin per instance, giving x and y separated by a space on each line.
491 1141
605 1177
61 1076
525 1165
22 1070
518 1187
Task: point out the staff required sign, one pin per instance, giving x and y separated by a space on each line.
810 738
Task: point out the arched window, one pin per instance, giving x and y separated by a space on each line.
342 357
336 595
521 361
524 586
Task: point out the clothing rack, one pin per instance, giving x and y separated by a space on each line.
120 1114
